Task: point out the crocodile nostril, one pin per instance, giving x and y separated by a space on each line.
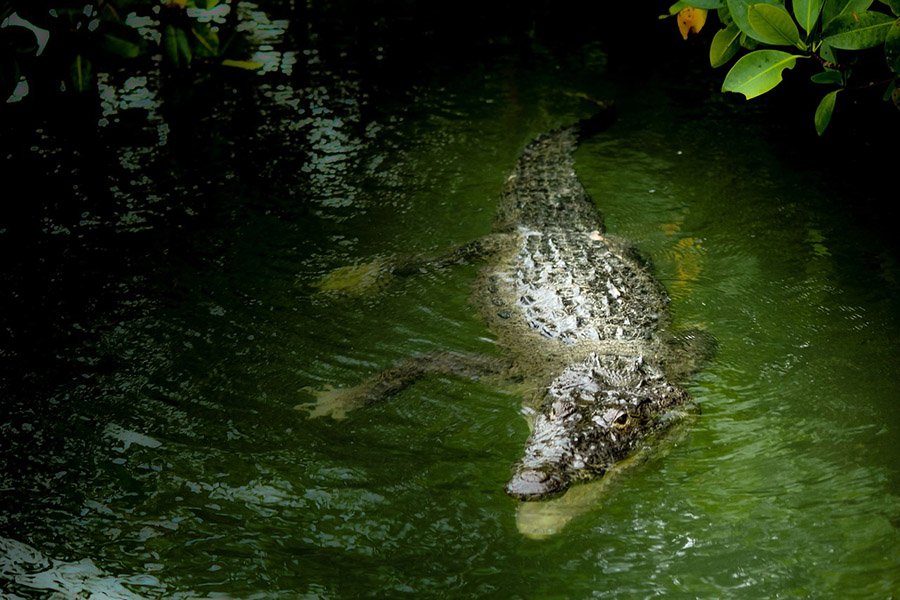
533 476
561 409
533 484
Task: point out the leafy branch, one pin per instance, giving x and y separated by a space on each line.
825 30
79 35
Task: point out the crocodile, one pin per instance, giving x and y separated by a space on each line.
582 318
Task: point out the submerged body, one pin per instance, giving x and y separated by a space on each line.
584 320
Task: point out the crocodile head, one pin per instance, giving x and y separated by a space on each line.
593 415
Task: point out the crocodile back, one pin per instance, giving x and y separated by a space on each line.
567 280
576 286
544 190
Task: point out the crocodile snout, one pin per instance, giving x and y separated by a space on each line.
534 484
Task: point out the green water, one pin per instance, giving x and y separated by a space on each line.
183 469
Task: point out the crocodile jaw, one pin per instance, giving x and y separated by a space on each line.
543 471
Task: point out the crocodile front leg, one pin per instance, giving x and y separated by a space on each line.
337 402
685 352
375 274
470 252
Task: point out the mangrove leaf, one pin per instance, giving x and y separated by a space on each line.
824 110
81 73
725 45
207 39
857 31
758 72
892 47
704 4
738 11
170 45
835 8
748 42
184 48
895 95
773 25
827 53
248 65
725 16
691 20
707 4
807 13
828 77
119 47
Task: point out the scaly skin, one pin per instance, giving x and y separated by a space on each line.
584 320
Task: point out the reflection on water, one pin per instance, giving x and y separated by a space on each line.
25 570
166 315
264 33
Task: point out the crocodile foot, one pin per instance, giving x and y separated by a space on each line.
355 280
331 402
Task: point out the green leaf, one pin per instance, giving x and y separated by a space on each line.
676 8
827 53
184 48
894 5
738 10
823 112
119 46
807 13
892 47
758 72
892 94
748 42
725 45
207 39
773 25
248 65
725 16
835 8
682 4
707 4
81 73
890 88
828 77
856 32
170 45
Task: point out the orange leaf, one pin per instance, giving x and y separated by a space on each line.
691 20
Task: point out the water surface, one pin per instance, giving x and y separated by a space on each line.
153 447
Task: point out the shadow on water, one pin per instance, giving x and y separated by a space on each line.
160 320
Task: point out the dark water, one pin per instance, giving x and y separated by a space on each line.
162 322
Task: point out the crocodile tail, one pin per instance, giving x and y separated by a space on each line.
596 123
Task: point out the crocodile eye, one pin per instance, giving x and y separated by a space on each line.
621 419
